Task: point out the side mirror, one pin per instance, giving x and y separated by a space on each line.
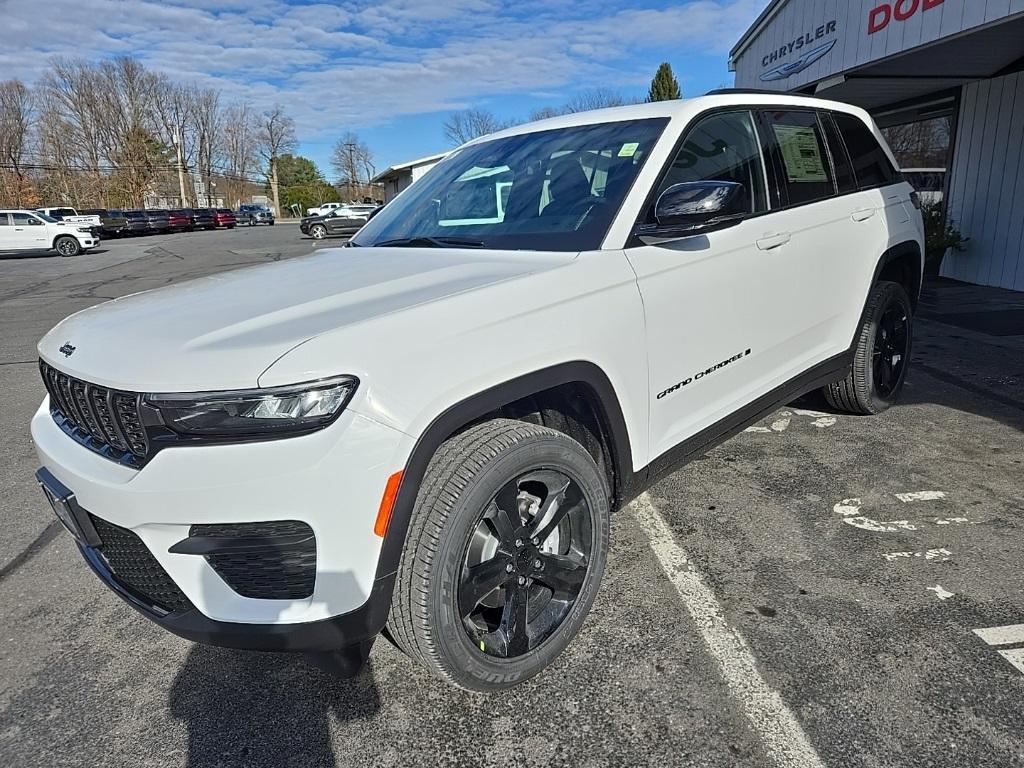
696 206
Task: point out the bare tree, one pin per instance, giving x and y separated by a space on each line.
352 162
467 124
209 119
595 98
237 150
275 137
174 111
16 116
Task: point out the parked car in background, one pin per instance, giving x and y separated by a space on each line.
930 183
112 223
346 220
255 214
158 219
322 209
138 222
224 217
203 218
180 219
22 230
71 216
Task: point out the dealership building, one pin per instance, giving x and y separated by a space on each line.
945 81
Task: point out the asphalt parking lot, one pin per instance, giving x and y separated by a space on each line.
815 592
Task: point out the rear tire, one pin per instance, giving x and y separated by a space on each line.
66 245
504 555
882 356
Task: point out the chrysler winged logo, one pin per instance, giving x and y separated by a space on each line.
68 349
783 71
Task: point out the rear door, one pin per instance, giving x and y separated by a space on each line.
725 315
6 233
829 224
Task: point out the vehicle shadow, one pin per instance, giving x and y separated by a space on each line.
247 708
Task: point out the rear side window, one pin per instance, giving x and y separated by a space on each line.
870 163
801 159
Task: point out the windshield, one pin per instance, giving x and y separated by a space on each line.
555 190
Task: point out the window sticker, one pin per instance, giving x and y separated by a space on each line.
801 153
629 149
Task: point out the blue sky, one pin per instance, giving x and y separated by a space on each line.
390 70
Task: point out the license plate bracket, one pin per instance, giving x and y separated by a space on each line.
67 509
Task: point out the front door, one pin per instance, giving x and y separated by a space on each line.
725 310
28 231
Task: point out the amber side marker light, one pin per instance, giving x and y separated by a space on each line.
387 504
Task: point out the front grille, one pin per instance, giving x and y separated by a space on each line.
135 569
269 571
105 420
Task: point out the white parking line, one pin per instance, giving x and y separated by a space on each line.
920 496
1008 635
1015 657
783 738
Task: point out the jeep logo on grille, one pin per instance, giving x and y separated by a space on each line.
68 349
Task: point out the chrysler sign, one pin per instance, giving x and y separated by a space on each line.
799 54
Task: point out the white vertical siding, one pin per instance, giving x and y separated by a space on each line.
986 189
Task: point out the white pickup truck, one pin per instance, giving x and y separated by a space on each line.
71 216
34 231
322 210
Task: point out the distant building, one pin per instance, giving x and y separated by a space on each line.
945 81
398 177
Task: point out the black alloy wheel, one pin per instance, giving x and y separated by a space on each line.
525 563
892 348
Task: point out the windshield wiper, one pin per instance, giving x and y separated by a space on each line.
424 241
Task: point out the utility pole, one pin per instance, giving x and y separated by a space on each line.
351 147
180 153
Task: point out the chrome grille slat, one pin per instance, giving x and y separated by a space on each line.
105 420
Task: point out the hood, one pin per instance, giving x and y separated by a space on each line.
223 331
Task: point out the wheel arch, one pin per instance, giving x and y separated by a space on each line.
904 264
581 376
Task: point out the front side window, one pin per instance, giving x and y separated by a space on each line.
870 162
27 219
555 190
801 158
721 147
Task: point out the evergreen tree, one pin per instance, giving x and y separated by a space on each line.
664 86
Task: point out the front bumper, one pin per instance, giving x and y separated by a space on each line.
331 480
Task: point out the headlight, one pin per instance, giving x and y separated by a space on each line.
254 412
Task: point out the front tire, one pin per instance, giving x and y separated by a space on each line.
504 556
882 356
318 231
67 246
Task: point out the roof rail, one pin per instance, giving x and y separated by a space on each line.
758 91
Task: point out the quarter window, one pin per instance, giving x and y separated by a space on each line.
845 180
722 147
801 157
870 163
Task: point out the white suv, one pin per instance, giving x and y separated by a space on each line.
431 433
33 231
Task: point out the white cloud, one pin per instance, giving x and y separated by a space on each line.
354 64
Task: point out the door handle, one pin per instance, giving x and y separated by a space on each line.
863 214
769 242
